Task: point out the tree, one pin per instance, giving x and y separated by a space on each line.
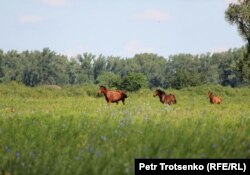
31 71
86 62
109 79
12 66
99 66
1 66
73 71
239 14
209 68
152 66
52 67
184 70
46 71
117 65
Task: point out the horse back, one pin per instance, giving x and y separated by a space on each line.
217 100
116 95
169 99
123 94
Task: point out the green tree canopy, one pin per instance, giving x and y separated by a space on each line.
109 79
150 70
239 14
1 66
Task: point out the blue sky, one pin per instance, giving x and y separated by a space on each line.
118 28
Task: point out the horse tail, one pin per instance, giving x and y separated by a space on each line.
174 99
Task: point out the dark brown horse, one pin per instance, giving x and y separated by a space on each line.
112 96
165 98
213 99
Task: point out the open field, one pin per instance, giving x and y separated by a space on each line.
46 130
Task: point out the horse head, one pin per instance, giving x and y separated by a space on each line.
210 94
214 99
158 92
102 89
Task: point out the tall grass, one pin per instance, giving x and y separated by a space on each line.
71 131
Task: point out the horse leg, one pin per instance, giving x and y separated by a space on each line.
107 100
123 101
117 102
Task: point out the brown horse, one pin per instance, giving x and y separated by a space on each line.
165 98
214 99
112 96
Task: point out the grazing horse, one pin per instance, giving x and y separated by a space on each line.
214 99
112 96
165 98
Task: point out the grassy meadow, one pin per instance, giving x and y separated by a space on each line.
50 130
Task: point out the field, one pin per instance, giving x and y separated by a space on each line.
51 131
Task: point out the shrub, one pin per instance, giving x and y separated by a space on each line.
133 82
109 79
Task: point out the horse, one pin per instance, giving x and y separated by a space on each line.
165 98
112 96
214 99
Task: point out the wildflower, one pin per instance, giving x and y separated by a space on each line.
18 154
104 138
6 148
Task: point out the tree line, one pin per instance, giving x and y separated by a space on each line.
231 67
34 68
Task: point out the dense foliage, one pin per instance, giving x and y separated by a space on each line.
177 71
239 14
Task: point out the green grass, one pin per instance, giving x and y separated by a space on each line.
71 131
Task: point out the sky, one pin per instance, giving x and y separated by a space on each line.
117 27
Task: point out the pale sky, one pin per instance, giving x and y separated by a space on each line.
117 27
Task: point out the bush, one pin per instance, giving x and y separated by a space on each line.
134 81
91 90
109 79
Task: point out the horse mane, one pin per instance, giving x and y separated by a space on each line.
101 86
160 91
